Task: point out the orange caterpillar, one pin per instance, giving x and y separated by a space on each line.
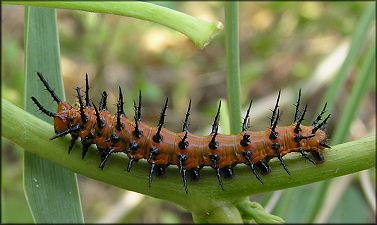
161 147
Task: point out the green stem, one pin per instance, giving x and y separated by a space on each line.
233 66
33 134
254 211
199 31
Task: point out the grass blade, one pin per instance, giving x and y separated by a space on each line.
318 191
334 89
51 190
360 88
357 40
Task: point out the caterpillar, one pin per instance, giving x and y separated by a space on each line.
189 152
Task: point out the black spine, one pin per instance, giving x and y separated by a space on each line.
137 133
215 127
280 157
274 111
247 156
319 116
119 125
40 107
215 158
216 121
120 111
151 174
84 118
157 137
246 121
301 150
49 89
182 170
103 104
300 119
102 164
297 105
321 124
274 134
61 134
183 144
187 122
139 108
214 144
120 102
100 122
87 90
130 164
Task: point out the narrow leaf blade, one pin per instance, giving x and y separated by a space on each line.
51 190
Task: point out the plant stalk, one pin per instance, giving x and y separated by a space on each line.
33 134
199 31
233 66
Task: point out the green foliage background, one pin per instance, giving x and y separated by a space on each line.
281 45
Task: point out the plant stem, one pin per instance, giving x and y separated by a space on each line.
199 31
233 66
203 195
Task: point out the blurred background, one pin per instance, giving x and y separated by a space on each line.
283 46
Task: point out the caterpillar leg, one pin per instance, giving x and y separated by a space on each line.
86 142
227 171
263 167
85 148
194 174
73 141
318 157
306 156
160 170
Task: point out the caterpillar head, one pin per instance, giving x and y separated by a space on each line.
319 140
61 119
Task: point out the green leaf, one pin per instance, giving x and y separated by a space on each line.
51 190
351 208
